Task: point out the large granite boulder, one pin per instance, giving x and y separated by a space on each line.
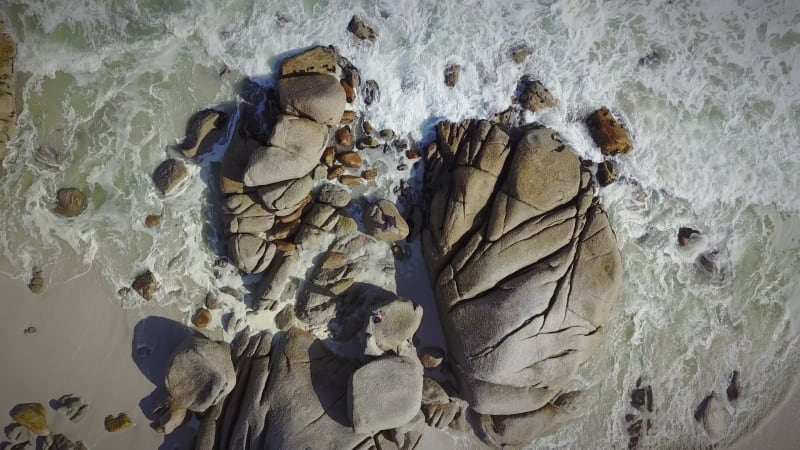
319 97
200 373
525 266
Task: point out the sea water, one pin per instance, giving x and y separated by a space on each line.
710 91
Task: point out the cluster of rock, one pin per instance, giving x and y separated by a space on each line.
30 426
524 265
8 115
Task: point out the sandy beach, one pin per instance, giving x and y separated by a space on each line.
81 346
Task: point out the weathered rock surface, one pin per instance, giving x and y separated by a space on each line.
200 373
200 125
333 195
316 60
384 222
371 406
391 326
31 416
608 133
8 115
70 202
117 423
451 74
146 285
250 253
535 97
525 266
169 174
319 97
361 30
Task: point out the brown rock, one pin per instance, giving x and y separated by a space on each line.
335 172
350 180
36 285
70 202
202 318
412 154
146 285
361 30
344 137
328 156
369 174
350 159
169 174
285 246
285 230
349 92
431 357
367 127
367 142
535 97
31 416
608 133
451 74
317 60
348 117
119 423
153 220
398 252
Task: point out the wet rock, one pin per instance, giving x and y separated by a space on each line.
391 326
451 74
200 125
606 172
70 202
32 417
412 154
652 58
367 142
318 97
372 407
734 387
367 128
212 302
200 373
361 30
709 262
169 174
535 97
431 357
520 54
71 407
714 417
386 134
153 220
349 92
335 172
385 222
321 60
369 174
333 195
642 396
202 318
119 423
350 159
328 156
372 93
348 116
344 137
146 285
296 147
608 133
36 283
687 236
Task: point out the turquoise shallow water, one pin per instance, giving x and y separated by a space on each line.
110 86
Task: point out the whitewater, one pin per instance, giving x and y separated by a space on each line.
710 91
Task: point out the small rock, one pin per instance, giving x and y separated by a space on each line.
398 253
211 301
350 159
608 133
733 387
361 30
31 416
29 330
146 285
520 54
70 202
169 174
709 262
369 174
349 92
412 154
401 144
386 134
17 433
687 236
642 396
328 156
367 142
202 318
153 220
535 97
344 137
350 180
119 423
36 285
317 60
606 172
319 173
402 167
650 59
367 127
335 172
431 357
348 117
385 222
451 74
372 92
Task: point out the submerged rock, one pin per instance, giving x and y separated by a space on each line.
687 236
606 172
608 133
146 285
361 30
31 416
714 417
70 202
169 174
734 387
372 94
451 74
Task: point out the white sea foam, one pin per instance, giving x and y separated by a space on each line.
714 119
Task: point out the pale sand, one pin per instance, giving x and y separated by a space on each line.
82 346
780 430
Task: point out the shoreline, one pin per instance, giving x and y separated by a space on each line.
777 430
